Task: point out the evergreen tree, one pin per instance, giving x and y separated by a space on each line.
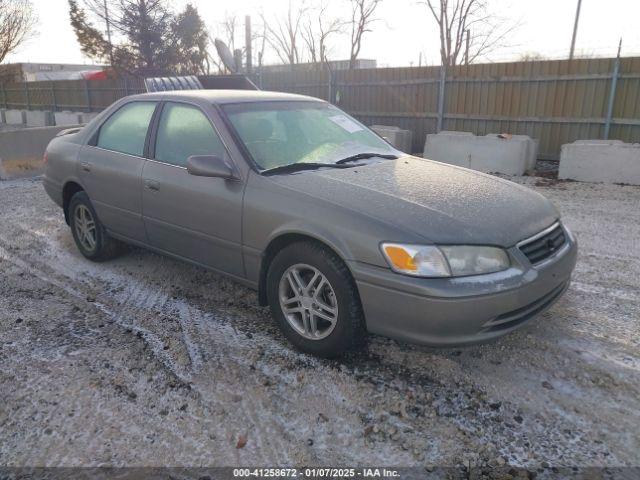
148 39
191 41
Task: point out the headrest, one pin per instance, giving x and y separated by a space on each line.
258 130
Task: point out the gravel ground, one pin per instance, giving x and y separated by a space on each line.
146 361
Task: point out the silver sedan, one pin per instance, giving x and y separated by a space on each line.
340 233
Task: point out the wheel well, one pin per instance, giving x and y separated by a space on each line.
69 190
276 245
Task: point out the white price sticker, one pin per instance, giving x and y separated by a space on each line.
346 123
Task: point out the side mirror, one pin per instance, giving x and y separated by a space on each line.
209 166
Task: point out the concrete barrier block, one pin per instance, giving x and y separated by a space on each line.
38 118
21 150
67 118
401 139
14 117
600 161
510 155
533 145
87 117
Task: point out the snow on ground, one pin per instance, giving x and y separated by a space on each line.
146 361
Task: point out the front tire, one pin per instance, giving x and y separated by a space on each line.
88 233
314 299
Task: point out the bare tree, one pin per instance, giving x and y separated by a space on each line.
228 31
317 30
362 17
284 33
17 21
467 29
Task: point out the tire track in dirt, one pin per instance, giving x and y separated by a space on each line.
136 301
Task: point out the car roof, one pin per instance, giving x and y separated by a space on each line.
228 96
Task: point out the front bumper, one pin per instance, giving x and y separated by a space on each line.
464 310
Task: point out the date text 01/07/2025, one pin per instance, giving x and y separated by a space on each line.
315 473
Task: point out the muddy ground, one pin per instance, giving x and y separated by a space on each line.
147 361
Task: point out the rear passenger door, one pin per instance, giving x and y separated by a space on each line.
198 218
110 168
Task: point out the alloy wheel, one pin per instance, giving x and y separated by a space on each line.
85 227
308 301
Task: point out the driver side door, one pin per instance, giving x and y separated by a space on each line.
197 218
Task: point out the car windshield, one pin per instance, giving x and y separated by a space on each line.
285 133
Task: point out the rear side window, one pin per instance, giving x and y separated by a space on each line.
184 131
126 130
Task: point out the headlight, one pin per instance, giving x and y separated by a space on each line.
444 261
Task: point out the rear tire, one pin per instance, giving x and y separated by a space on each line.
89 234
315 301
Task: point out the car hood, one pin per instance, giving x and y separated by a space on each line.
442 203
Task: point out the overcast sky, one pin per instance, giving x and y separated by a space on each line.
405 29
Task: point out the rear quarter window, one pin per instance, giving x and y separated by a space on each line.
126 130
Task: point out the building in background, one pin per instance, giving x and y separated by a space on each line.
36 72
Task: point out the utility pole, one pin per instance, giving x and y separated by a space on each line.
575 31
106 16
466 51
247 41
612 92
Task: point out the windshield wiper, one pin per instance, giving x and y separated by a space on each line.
362 156
297 167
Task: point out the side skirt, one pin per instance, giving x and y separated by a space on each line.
243 281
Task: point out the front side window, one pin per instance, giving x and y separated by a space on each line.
283 133
185 131
126 130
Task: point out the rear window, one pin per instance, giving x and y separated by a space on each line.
126 130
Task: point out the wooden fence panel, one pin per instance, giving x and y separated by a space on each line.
555 102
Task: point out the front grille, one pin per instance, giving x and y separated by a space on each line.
541 247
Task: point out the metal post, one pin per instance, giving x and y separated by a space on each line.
27 101
237 58
88 95
575 31
247 40
331 83
443 83
466 50
126 86
4 95
54 105
612 93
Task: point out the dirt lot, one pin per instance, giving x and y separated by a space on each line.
148 361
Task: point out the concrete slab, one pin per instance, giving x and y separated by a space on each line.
67 118
399 138
38 118
14 117
510 155
606 161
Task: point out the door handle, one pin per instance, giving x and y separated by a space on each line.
86 166
152 185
